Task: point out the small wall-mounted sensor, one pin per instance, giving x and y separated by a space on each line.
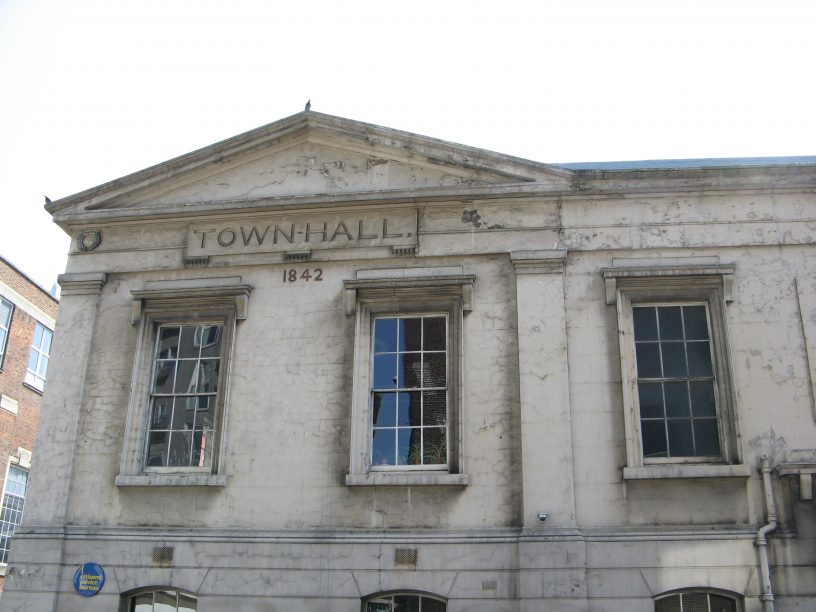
542 516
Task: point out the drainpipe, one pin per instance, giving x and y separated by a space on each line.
761 542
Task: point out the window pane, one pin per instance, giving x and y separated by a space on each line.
46 341
668 604
674 360
32 360
203 440
385 371
384 410
165 601
650 396
648 359
434 408
702 398
410 409
384 447
696 325
157 448
706 437
654 438
208 376
5 313
645 321
406 603
695 602
379 606
410 370
164 376
162 413
722 604
142 603
677 399
434 334
434 371
189 345
209 338
181 443
670 322
385 335
410 335
681 444
186 603
38 335
433 605
409 450
699 359
168 342
435 446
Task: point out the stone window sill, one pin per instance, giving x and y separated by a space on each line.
406 479
660 472
172 480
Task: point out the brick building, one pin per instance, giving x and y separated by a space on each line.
27 314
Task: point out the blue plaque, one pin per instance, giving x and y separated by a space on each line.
89 579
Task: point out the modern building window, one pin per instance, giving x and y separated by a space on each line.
184 395
678 398
6 308
162 601
409 392
14 494
695 601
175 424
404 602
38 357
406 410
675 381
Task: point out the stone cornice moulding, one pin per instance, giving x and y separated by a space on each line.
82 283
539 262
667 269
201 291
431 287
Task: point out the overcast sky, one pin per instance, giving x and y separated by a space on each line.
96 89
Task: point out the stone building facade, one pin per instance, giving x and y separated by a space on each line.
330 366
27 316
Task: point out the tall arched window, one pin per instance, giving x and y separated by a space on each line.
404 602
695 601
161 600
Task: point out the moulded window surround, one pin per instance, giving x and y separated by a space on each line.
177 416
680 417
407 395
6 310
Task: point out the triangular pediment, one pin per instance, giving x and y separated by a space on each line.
309 155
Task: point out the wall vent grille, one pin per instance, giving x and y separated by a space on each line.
405 556
163 555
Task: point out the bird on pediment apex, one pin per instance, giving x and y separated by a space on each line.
308 104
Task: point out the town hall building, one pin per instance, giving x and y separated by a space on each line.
331 366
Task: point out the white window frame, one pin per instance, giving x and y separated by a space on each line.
12 527
709 285
33 378
4 329
186 305
406 296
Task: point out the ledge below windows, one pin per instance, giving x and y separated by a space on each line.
660 472
406 479
171 480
